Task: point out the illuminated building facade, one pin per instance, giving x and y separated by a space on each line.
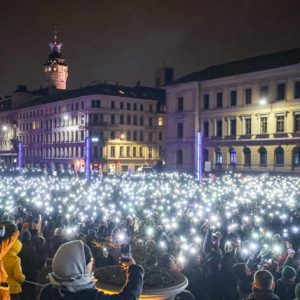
248 112
125 124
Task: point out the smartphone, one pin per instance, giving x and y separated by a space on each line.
125 252
2 230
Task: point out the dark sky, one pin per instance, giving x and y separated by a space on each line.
125 40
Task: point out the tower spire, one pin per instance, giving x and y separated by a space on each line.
56 68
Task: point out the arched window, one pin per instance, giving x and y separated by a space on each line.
296 156
232 156
219 158
247 157
279 156
179 158
262 156
205 155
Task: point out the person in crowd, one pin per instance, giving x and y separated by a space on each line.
297 292
13 268
72 276
263 287
58 239
285 286
30 265
243 278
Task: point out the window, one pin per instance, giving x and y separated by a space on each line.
248 96
150 122
233 98
160 136
141 136
151 108
180 104
179 158
263 124
141 121
205 155
134 136
150 149
296 156
122 105
160 121
134 106
112 119
112 151
219 131
179 130
141 107
280 123
112 135
128 120
247 125
127 151
219 100
141 152
206 101
297 122
135 120
279 156
280 91
128 106
233 127
206 129
262 156
134 152
219 158
150 137
121 119
232 154
247 157
297 90
112 104
128 136
264 92
121 151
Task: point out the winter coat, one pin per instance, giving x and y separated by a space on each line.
262 295
12 265
131 291
285 289
29 261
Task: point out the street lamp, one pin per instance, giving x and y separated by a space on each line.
4 128
263 101
122 136
66 117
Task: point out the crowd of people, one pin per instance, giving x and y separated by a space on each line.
233 237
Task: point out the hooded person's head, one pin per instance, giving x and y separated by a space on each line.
72 266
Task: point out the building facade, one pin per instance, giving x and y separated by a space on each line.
247 111
125 124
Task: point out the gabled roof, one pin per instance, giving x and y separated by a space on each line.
249 65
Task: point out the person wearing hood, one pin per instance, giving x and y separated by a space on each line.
72 278
12 266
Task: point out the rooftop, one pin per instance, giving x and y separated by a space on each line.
249 65
46 95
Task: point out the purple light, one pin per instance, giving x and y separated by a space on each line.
20 157
87 158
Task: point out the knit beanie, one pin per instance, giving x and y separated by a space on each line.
288 272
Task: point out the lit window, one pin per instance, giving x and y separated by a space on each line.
160 121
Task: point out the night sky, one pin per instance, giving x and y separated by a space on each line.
126 40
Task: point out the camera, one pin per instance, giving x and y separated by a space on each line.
125 252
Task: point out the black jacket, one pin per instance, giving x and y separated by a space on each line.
131 291
262 295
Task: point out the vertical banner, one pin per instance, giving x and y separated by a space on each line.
87 157
199 160
20 157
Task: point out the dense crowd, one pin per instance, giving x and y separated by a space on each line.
219 233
